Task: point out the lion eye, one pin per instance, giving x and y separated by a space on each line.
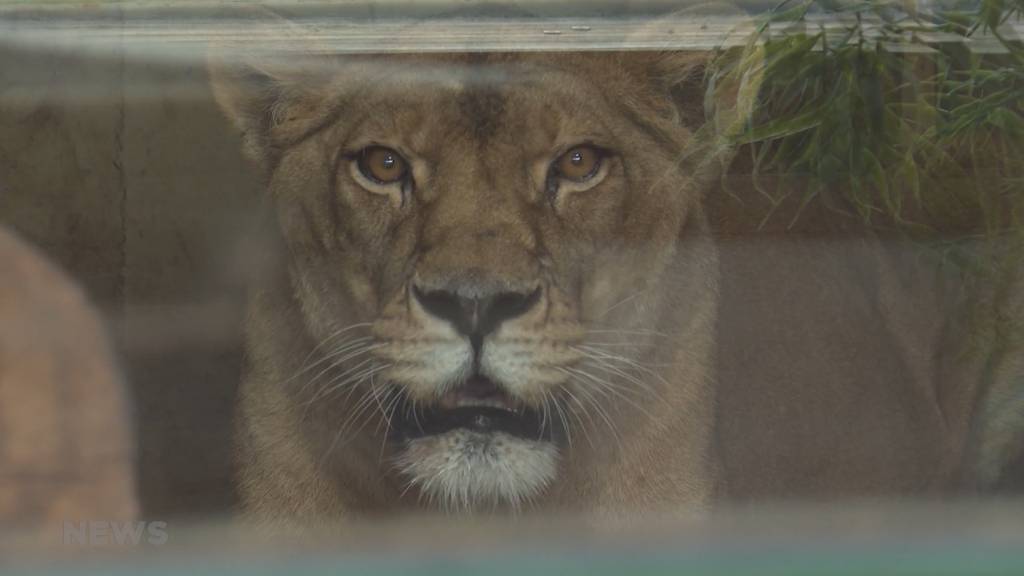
579 164
382 165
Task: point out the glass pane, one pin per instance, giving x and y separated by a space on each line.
573 286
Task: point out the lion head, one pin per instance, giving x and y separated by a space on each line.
496 270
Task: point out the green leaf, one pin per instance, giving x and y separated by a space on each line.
783 127
880 182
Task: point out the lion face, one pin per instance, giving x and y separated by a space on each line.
479 246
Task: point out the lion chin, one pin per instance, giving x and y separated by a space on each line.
476 448
466 471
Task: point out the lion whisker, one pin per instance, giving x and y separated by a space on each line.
388 413
389 406
583 409
365 402
585 392
622 344
610 388
639 386
339 381
604 361
359 416
415 413
303 368
359 350
323 389
636 381
625 300
638 394
610 356
353 382
544 415
628 332
565 423
409 486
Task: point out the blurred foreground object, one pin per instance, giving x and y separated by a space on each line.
65 449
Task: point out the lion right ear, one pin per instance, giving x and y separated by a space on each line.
271 101
711 91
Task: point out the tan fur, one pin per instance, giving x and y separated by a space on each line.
995 450
65 450
626 264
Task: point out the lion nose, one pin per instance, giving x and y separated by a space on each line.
479 315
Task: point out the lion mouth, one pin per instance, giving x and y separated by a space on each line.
478 405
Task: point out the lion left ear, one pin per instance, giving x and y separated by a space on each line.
270 100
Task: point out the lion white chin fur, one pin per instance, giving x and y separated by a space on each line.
466 471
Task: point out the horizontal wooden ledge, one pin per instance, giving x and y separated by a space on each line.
700 32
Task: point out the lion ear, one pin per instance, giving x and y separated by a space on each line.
679 78
714 94
712 91
271 101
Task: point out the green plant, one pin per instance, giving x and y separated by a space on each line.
861 105
912 123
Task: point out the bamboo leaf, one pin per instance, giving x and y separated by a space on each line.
783 127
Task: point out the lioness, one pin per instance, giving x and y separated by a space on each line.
496 288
